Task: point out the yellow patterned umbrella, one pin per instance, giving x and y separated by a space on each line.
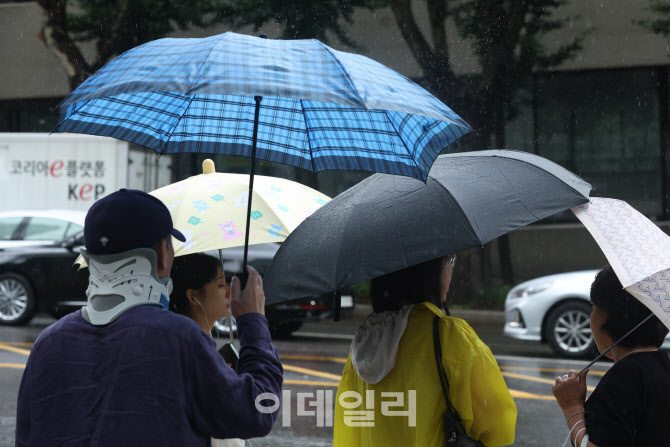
210 209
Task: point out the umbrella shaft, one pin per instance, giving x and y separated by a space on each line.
617 342
251 181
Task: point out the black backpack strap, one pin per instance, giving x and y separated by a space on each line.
438 360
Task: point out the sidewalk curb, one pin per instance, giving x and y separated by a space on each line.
495 316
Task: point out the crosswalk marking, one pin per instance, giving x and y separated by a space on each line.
7 347
12 365
314 357
558 370
311 372
535 379
15 347
310 383
525 395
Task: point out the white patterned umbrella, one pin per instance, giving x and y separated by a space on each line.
637 250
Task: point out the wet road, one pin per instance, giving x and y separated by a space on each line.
313 359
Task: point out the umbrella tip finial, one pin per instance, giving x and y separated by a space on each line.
208 167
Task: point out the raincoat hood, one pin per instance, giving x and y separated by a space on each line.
375 348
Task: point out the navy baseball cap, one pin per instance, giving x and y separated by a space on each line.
125 220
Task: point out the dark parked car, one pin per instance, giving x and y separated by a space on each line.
38 227
283 318
43 278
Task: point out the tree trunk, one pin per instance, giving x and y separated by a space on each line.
55 36
504 251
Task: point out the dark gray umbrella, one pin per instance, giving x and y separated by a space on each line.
388 222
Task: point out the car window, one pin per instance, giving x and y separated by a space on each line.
45 229
8 226
73 229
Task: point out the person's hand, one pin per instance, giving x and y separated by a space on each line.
249 300
570 390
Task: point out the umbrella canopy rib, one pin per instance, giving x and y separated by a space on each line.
412 152
578 185
167 140
460 208
350 82
309 140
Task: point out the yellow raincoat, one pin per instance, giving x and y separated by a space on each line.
476 389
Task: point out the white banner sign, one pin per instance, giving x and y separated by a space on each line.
41 171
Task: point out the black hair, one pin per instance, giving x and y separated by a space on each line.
190 272
624 312
412 285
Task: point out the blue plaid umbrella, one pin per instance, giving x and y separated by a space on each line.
295 102
320 109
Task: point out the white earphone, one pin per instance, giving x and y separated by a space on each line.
204 312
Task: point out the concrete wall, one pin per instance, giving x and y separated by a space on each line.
29 69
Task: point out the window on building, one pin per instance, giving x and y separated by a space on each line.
604 126
29 115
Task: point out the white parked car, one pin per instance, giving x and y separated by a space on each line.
555 309
37 227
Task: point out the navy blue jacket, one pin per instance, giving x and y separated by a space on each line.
151 377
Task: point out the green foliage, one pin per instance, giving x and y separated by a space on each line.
660 25
492 297
362 292
302 19
508 40
117 26
487 22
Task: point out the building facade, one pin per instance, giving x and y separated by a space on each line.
603 114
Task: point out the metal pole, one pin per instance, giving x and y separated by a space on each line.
617 342
258 100
230 317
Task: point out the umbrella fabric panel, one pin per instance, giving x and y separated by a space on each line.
226 64
307 134
171 64
210 209
376 141
556 170
481 185
236 64
147 119
654 292
634 245
637 249
224 125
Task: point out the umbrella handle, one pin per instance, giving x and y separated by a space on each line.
242 276
337 297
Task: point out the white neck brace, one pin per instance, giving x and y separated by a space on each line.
121 281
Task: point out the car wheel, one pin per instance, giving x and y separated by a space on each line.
284 329
223 329
569 330
17 300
